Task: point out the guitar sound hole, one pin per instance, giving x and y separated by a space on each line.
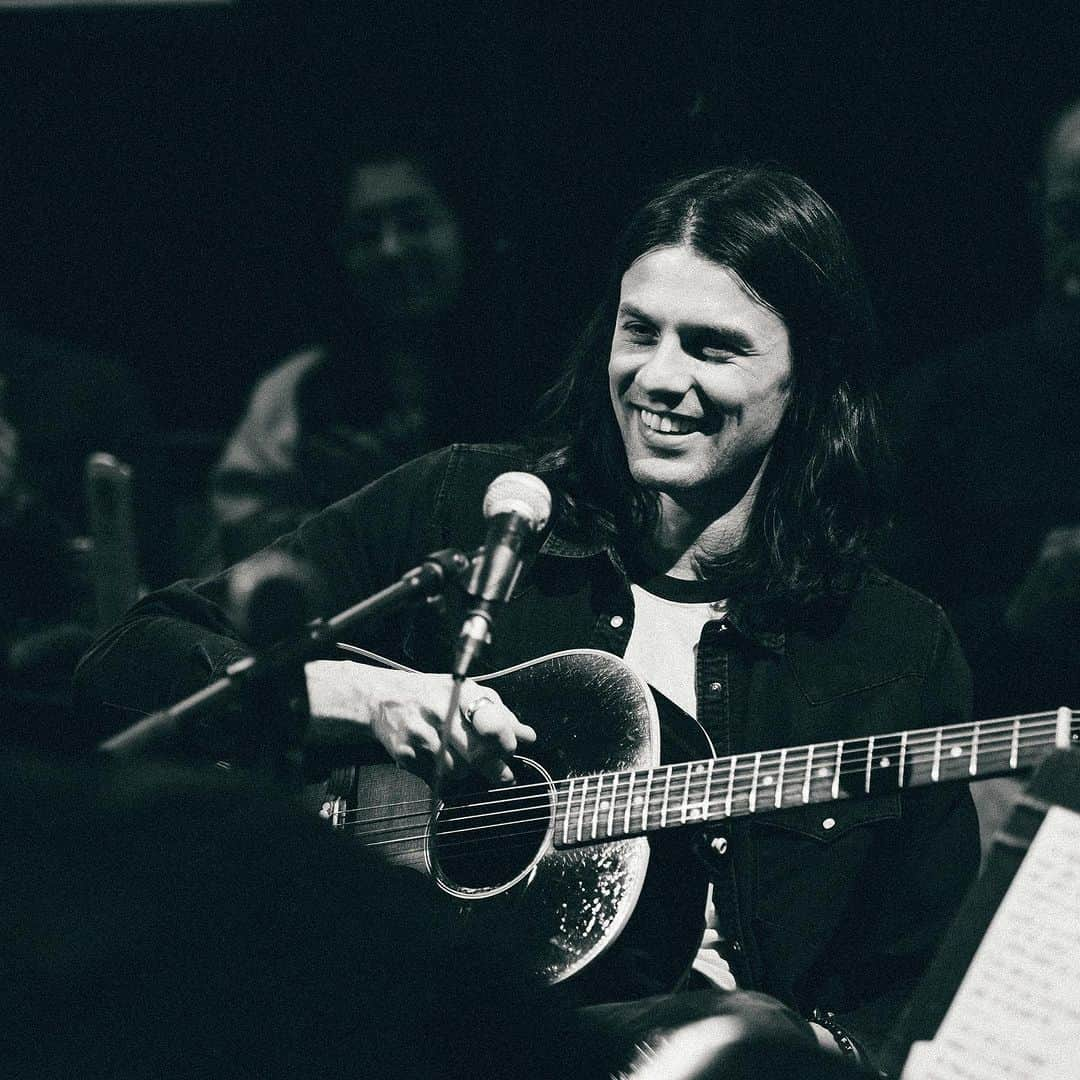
485 839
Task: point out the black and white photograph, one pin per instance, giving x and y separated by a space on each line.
539 541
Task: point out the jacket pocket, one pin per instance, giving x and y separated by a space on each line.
811 859
831 821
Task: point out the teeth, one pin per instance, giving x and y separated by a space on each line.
666 424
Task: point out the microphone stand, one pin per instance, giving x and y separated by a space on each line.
249 677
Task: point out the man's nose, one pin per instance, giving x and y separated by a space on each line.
668 371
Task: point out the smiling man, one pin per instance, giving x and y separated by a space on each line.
716 482
700 375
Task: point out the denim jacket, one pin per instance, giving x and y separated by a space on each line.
836 906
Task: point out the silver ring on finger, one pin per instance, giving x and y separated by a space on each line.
469 710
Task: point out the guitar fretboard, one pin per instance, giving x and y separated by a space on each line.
609 806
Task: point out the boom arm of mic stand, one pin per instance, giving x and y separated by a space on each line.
160 728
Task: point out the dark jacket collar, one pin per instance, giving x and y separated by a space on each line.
743 615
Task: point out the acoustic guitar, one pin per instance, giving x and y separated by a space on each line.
563 851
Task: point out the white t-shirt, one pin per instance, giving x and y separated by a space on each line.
663 651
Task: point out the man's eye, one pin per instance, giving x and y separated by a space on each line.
638 330
716 352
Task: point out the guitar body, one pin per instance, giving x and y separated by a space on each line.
561 855
567 905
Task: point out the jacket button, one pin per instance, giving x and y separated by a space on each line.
616 621
716 686
719 844
828 823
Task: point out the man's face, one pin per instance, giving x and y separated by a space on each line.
699 374
400 243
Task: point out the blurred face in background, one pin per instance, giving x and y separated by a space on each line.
1061 209
400 243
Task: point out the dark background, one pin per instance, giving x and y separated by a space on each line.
166 172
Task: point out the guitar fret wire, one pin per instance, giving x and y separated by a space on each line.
1030 737
645 804
753 785
664 800
686 792
612 796
544 819
974 768
629 801
836 769
806 778
581 812
780 780
596 804
869 763
730 788
708 789
935 772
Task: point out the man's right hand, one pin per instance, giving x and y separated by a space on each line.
405 711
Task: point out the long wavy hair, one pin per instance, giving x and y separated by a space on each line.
820 499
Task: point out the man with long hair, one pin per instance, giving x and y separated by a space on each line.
716 479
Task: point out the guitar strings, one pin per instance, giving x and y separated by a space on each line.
987 735
468 837
850 764
591 819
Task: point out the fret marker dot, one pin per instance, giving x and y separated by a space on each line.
699 769
823 772
766 780
884 763
955 752
604 805
695 812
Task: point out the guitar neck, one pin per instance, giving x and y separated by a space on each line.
611 806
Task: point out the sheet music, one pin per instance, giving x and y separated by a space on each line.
1017 1011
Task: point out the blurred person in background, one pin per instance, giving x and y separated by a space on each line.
385 386
989 508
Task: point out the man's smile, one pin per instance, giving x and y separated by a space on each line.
667 423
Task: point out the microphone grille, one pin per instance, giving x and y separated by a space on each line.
519 493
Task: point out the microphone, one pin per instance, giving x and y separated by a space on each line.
517 506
